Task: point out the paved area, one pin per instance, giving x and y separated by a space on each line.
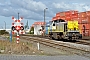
28 57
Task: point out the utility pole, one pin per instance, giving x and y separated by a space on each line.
18 32
5 25
18 16
5 29
44 18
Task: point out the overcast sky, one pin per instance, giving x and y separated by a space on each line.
33 10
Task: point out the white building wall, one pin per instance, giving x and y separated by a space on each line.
36 29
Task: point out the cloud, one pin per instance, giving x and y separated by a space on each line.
34 9
29 4
30 9
73 6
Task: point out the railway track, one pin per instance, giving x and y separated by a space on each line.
79 41
60 45
84 42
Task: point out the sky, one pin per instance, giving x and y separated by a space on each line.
33 10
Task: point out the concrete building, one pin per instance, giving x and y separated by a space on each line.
38 28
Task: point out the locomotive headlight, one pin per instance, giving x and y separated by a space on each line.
73 33
66 35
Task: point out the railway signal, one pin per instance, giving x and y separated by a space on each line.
16 27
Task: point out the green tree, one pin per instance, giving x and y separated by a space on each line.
32 30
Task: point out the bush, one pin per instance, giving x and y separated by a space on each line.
3 32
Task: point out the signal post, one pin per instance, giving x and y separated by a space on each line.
16 27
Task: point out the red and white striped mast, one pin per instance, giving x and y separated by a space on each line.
18 31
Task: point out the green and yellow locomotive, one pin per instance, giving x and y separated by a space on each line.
59 29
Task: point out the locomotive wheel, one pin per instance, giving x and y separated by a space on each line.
50 36
70 38
62 37
59 37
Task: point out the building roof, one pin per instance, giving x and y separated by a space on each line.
38 23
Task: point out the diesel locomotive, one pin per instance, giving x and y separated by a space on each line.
61 29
